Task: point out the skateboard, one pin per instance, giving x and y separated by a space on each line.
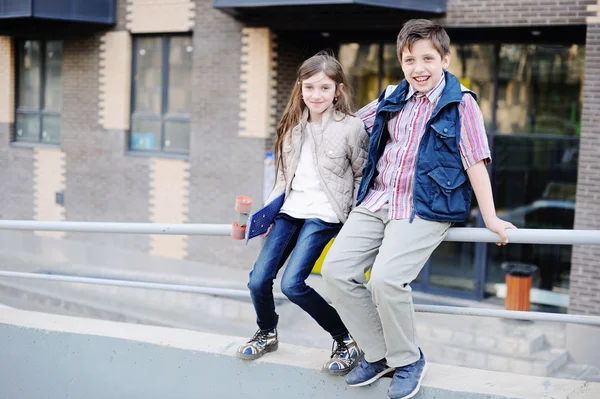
243 204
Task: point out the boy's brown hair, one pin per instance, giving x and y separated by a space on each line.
419 29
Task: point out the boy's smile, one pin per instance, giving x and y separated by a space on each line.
423 65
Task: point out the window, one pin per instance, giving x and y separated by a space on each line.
531 97
162 69
39 91
474 64
540 88
370 68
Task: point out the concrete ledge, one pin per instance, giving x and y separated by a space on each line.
51 356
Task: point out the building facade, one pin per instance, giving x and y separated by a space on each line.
165 111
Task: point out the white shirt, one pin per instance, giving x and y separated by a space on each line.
307 198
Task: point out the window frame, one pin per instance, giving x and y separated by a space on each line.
40 112
164 96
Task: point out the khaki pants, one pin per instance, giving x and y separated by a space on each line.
380 314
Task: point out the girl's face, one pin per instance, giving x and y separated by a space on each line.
318 93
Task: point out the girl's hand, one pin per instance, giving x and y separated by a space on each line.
498 226
268 231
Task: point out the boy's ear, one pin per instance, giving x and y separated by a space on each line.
446 61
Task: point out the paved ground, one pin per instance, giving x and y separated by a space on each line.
529 348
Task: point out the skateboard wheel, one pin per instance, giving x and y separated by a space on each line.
238 232
243 204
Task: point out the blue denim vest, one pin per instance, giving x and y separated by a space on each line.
442 191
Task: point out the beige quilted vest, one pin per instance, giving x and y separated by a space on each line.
339 152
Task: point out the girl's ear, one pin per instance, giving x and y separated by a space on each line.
338 91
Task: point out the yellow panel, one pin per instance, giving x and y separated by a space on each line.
168 203
49 179
257 87
7 80
151 16
319 263
115 80
465 82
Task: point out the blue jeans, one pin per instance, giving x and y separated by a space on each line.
304 239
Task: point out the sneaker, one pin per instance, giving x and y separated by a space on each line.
407 380
262 342
345 355
367 373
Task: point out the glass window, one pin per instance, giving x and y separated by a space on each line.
539 88
473 64
534 183
361 64
160 120
39 91
392 71
533 94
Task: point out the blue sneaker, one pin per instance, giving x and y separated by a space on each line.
407 379
367 373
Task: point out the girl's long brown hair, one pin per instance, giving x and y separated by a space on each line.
320 62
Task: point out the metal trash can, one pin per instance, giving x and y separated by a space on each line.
518 285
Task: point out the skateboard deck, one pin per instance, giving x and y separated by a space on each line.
257 223
243 205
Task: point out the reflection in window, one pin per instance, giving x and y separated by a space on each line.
370 68
539 88
361 64
392 71
162 94
473 64
535 182
39 91
524 88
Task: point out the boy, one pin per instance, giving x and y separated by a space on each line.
427 151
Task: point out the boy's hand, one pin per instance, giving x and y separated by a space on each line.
499 226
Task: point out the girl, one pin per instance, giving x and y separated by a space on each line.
320 152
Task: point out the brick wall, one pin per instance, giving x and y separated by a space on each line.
290 55
121 15
516 12
102 184
16 164
585 267
16 181
222 164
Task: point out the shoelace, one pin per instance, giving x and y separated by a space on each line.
260 336
340 347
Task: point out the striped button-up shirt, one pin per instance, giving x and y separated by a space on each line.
396 166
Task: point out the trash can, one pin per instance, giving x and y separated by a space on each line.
518 285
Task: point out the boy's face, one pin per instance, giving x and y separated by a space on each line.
423 65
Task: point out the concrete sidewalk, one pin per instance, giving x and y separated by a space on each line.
486 343
98 359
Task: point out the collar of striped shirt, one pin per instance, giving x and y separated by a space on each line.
432 95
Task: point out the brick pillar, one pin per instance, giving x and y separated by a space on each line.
584 292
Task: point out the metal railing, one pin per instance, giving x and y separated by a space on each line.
455 234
